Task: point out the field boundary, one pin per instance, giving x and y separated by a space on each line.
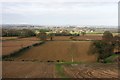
18 52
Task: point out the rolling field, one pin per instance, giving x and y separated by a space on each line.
85 37
62 38
94 70
40 61
89 37
11 46
19 39
8 38
17 69
21 69
59 50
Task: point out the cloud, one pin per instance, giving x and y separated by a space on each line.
61 11
48 8
60 1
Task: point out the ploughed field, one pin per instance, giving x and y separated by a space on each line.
17 69
59 51
22 69
40 61
8 38
20 39
89 37
85 37
11 46
94 70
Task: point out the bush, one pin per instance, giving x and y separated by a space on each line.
113 58
42 36
103 48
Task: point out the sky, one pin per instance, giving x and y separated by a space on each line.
59 12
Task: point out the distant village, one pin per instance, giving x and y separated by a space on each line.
58 30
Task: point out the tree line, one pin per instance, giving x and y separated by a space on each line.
17 33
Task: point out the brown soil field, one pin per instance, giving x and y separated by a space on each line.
86 37
8 38
66 38
59 50
27 70
0 68
29 39
94 70
22 69
11 46
16 38
33 63
89 37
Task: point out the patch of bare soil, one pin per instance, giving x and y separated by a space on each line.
22 69
11 46
27 70
97 70
85 37
60 38
8 38
88 37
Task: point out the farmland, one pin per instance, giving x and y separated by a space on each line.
11 46
28 70
89 37
16 69
86 37
94 70
59 50
8 38
42 61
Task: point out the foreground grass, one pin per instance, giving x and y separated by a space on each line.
60 69
112 58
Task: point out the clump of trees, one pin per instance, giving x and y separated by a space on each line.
51 36
105 47
83 33
9 32
42 36
17 33
26 33
63 34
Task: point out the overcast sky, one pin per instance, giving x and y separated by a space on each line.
60 12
